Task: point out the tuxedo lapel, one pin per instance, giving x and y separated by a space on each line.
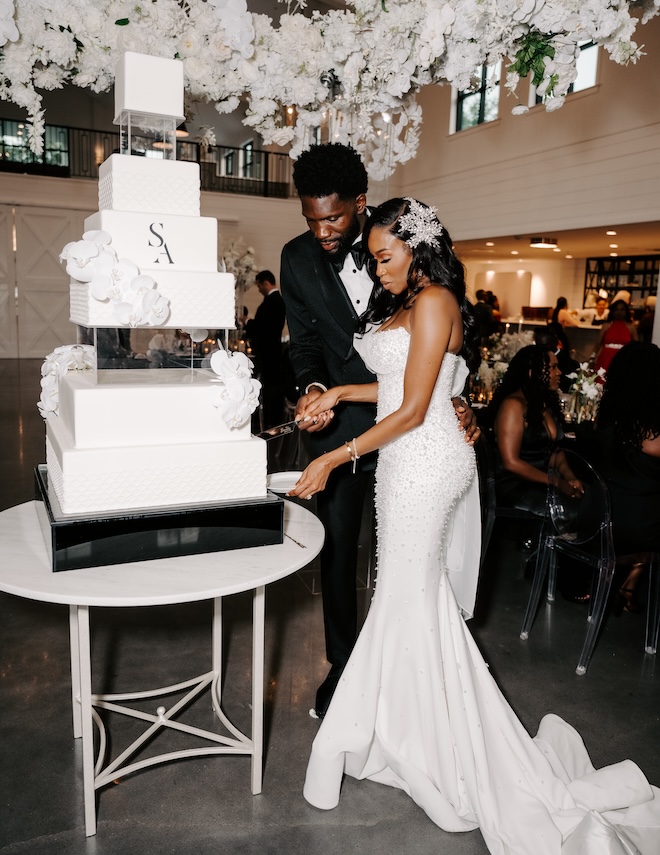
334 296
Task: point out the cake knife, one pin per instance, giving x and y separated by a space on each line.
278 430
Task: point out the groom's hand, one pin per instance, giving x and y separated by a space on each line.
467 420
316 423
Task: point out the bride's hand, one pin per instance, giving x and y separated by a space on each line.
313 479
311 423
324 403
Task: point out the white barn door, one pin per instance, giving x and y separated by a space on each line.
34 286
43 285
8 338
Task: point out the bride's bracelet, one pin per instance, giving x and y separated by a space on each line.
351 448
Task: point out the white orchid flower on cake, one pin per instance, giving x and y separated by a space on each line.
137 301
79 256
111 276
69 357
140 304
238 397
155 307
196 335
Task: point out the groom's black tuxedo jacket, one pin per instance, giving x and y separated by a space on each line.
321 321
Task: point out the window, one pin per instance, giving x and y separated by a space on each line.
587 64
586 67
248 159
14 144
482 104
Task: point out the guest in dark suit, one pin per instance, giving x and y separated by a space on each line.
325 290
265 334
483 312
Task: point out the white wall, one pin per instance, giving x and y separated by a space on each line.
594 161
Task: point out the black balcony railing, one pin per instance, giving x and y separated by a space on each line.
77 153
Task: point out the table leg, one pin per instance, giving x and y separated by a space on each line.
85 662
258 617
75 671
216 650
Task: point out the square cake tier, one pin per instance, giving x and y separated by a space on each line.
160 240
119 408
151 85
197 300
145 184
93 480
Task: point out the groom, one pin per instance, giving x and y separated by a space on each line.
326 286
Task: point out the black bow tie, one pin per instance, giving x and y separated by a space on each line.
359 255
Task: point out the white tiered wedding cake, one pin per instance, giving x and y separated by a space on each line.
148 438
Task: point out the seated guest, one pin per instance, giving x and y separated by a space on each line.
548 338
618 331
526 418
625 449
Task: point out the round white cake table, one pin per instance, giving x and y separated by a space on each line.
25 571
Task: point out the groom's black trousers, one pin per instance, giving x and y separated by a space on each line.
340 508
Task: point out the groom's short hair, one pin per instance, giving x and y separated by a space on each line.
324 170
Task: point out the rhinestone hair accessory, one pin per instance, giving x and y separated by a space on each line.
422 224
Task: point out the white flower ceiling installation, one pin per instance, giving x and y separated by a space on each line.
351 73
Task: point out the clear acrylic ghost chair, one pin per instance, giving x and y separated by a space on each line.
652 562
580 526
490 509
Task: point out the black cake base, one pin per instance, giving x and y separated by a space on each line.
121 537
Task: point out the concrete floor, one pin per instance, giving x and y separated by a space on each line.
204 805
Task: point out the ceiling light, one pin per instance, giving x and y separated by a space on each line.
162 145
614 254
556 249
610 233
490 243
569 256
543 243
514 252
614 246
182 131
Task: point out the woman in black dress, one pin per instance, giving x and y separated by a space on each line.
626 451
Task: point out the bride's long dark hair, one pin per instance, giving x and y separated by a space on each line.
435 264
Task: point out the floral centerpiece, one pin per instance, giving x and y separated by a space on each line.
586 392
350 74
239 260
495 361
503 347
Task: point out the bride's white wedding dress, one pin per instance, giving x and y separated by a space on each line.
416 707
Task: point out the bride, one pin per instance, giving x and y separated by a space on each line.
416 707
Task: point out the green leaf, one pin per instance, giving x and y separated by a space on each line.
122 22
